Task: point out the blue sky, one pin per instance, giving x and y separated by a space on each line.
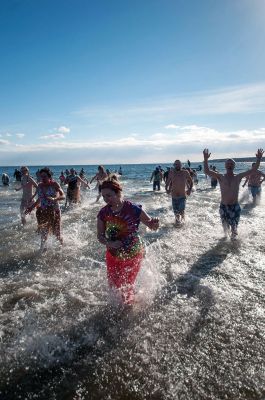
130 81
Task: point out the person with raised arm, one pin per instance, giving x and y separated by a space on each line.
229 185
254 181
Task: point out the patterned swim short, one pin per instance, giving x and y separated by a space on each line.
230 214
178 204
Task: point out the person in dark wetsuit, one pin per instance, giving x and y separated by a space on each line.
17 175
166 173
5 179
157 177
214 181
73 190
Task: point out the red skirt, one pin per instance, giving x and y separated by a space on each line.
49 221
122 274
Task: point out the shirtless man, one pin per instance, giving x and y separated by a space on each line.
229 186
176 184
27 186
254 181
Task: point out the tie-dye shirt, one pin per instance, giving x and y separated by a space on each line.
123 225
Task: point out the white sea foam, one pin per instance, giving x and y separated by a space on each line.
199 327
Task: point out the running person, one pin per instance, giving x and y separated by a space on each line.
214 181
179 184
100 176
157 177
48 211
27 186
73 191
5 179
254 181
117 228
229 185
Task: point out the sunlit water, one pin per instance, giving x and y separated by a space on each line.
197 330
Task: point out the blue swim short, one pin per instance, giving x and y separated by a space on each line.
255 190
230 214
178 204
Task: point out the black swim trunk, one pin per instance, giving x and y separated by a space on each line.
230 214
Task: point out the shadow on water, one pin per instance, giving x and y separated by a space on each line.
104 330
189 283
15 264
90 341
209 189
247 208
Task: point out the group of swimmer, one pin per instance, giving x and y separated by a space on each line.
118 222
159 175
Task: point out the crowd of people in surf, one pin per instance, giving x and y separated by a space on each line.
118 221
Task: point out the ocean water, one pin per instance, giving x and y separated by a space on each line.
197 330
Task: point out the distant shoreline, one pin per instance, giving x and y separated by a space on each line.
237 159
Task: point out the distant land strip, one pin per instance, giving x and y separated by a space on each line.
240 159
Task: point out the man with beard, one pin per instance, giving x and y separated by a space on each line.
229 186
179 185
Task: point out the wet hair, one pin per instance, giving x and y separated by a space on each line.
47 171
112 183
230 159
253 164
101 168
25 168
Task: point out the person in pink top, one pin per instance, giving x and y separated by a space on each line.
117 228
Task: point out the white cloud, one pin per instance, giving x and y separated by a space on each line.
190 135
53 136
20 135
229 100
63 129
171 126
59 133
185 141
8 134
4 142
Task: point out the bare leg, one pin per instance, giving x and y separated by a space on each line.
178 219
226 228
234 233
99 195
44 237
23 219
182 216
22 213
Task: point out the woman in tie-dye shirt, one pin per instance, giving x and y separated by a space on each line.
117 227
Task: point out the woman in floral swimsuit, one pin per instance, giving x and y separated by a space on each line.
48 211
